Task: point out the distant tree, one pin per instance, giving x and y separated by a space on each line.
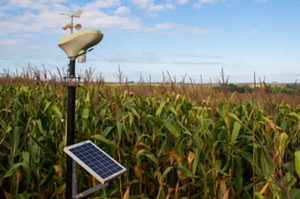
232 87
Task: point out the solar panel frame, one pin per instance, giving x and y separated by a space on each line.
68 151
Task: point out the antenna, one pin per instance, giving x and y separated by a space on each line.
70 24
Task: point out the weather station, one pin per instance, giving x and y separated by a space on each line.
89 156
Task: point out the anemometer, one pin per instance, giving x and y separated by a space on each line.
86 154
70 24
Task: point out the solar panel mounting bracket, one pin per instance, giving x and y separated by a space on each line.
77 157
89 191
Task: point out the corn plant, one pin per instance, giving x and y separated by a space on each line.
173 146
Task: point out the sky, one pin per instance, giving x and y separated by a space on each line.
148 38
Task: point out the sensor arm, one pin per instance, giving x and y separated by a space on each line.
85 51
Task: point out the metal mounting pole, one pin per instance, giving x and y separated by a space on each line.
70 129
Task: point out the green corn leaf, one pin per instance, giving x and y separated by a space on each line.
235 132
119 129
11 171
259 196
151 157
297 162
295 115
171 128
238 176
23 195
39 124
101 138
47 181
148 154
45 148
165 173
85 113
26 165
196 160
159 110
246 195
56 110
186 172
295 193
47 106
133 110
16 140
196 141
106 131
131 118
140 196
59 190
232 115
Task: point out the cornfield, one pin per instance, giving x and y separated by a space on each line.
174 144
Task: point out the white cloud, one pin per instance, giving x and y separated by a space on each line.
195 63
25 17
131 59
181 2
123 10
29 4
101 4
47 18
161 26
170 28
202 2
261 1
160 7
255 31
192 55
2 14
191 29
98 19
11 27
35 47
142 4
11 42
150 6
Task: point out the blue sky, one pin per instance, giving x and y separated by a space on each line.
183 37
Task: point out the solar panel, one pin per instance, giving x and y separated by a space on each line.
103 167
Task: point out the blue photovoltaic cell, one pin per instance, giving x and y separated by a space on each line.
99 162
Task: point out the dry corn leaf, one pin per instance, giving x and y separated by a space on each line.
262 191
172 157
7 195
224 190
137 171
57 170
18 176
180 175
126 195
191 157
177 190
134 181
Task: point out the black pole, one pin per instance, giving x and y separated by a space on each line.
70 125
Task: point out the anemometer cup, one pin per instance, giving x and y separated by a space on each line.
69 25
